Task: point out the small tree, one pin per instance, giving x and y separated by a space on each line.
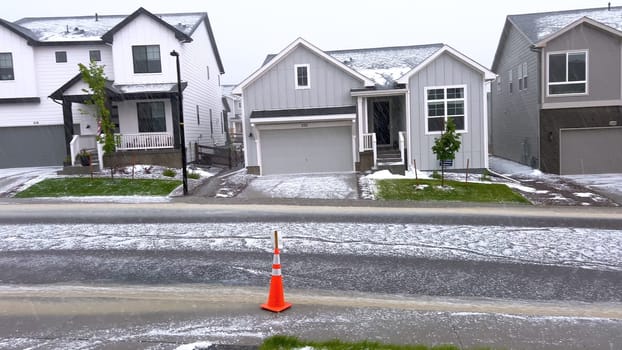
94 77
446 146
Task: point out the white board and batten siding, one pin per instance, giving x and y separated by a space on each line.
446 70
25 82
143 31
275 90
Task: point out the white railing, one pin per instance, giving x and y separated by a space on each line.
369 143
74 148
152 140
402 135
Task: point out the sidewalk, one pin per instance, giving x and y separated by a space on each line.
165 317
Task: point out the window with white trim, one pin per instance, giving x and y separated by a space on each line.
301 72
443 103
520 77
567 73
510 80
499 84
524 75
6 66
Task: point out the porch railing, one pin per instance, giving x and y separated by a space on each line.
402 135
369 143
152 140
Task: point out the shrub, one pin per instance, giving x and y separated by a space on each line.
169 173
485 175
194 175
435 175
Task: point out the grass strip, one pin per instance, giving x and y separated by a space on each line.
85 186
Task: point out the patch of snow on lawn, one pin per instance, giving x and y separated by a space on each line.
584 194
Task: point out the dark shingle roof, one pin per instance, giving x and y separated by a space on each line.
537 26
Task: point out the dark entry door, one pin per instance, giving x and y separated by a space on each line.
381 122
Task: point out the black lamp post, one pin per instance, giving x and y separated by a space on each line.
182 137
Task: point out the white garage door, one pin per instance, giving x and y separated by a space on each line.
306 150
591 151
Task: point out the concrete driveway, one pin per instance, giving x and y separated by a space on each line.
609 185
308 186
12 179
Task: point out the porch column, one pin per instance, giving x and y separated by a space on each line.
175 114
68 125
359 108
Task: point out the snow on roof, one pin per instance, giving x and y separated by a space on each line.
540 25
385 65
90 28
134 88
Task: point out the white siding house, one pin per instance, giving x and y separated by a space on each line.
44 118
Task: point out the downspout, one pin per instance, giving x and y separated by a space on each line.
539 73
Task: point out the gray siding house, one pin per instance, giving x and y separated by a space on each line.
308 111
557 99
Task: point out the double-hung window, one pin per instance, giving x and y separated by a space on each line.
6 66
303 80
151 117
567 73
147 59
442 104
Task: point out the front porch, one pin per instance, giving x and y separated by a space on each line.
381 129
145 118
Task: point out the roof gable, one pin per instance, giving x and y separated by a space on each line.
289 49
108 36
581 21
488 75
537 26
21 31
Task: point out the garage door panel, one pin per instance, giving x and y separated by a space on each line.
306 150
591 151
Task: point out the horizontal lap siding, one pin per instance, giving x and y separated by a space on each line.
515 116
443 71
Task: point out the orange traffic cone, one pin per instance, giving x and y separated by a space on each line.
276 298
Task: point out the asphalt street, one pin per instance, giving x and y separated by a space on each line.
355 273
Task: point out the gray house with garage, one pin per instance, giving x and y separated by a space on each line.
310 111
557 100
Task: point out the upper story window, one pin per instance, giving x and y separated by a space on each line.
151 117
443 103
303 80
95 55
6 66
147 59
524 76
510 78
61 56
499 83
567 73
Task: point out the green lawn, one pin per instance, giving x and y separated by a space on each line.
85 186
404 189
280 342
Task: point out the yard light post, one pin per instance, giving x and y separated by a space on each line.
182 138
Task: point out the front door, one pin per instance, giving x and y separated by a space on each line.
381 122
